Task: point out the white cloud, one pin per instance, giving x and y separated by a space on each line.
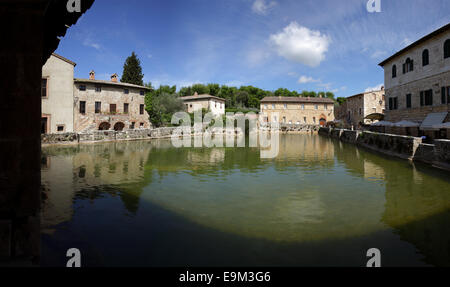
376 88
89 43
262 8
305 80
300 44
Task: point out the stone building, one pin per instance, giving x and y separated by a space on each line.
196 102
57 95
108 105
355 109
417 81
297 110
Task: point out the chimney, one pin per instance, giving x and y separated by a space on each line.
114 78
92 75
195 94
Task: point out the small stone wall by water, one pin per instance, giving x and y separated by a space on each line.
97 136
406 147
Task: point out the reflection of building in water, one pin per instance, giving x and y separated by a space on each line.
417 201
212 156
86 172
420 214
305 147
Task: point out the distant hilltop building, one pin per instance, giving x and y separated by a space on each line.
297 110
197 102
417 81
81 105
355 111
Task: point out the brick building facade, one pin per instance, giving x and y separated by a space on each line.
356 108
108 105
417 81
297 110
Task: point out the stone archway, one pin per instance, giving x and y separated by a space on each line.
323 120
119 126
104 126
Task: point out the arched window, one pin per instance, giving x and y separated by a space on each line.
425 57
394 71
447 49
408 66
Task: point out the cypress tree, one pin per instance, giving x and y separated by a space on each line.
132 71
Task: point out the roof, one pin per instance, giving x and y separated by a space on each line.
365 93
201 97
64 59
418 42
296 100
111 83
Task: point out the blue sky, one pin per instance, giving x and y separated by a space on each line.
296 44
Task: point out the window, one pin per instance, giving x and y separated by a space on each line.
133 124
360 111
142 93
82 107
98 107
304 119
142 125
325 107
425 57
394 71
265 107
44 125
303 107
60 128
285 106
82 88
126 91
125 108
44 88
408 101
426 98
98 89
316 107
273 107
112 108
447 49
408 66
443 97
314 119
448 95
141 109
393 103
284 120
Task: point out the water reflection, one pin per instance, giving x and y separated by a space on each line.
316 191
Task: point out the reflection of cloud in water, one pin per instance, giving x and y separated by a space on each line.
305 207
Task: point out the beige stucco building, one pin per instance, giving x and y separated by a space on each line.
197 102
417 81
81 105
108 105
57 95
355 109
297 110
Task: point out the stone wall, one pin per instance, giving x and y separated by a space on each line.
442 153
406 147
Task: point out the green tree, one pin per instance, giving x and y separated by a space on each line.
341 100
132 71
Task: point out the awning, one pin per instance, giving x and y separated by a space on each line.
442 126
382 124
407 124
375 117
433 119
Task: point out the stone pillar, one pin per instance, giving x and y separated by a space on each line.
20 113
